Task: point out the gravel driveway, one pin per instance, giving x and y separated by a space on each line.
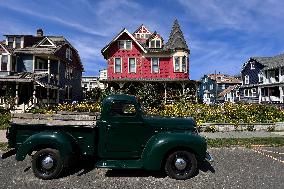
232 168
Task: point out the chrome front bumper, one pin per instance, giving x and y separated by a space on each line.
208 157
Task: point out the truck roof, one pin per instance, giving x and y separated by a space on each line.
120 97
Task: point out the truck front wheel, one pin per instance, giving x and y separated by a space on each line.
47 164
181 165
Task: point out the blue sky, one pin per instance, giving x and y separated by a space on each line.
221 34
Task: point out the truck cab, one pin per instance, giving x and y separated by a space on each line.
124 137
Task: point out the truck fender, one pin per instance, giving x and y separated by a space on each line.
61 141
160 145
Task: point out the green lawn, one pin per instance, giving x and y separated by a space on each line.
247 142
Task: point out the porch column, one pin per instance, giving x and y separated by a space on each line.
17 93
47 95
281 93
57 99
58 68
259 95
165 93
183 88
48 69
196 92
33 63
121 85
34 94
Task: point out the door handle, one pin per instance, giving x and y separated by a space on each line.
108 127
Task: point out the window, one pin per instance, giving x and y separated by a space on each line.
253 92
131 65
246 79
4 62
250 92
68 92
125 44
260 78
205 79
69 72
69 54
155 65
152 44
211 87
223 86
40 64
18 42
252 65
180 64
10 42
155 43
117 65
122 109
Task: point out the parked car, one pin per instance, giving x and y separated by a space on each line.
124 137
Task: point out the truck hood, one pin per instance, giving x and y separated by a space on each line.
172 123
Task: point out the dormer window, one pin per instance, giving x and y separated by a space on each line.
18 42
10 42
69 54
252 65
155 43
125 44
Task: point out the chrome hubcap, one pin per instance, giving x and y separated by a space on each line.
180 164
47 162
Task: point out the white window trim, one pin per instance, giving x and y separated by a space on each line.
180 64
152 65
246 79
155 43
124 44
252 65
129 64
120 65
8 62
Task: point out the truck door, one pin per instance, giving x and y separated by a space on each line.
125 132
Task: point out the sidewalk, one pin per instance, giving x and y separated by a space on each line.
3 136
230 134
242 134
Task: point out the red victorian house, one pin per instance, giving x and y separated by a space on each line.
144 57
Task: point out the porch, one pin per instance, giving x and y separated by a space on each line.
169 89
271 94
24 93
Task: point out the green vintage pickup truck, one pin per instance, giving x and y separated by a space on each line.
122 138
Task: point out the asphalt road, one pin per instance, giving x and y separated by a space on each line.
260 167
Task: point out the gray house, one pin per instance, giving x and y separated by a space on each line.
214 84
39 70
263 80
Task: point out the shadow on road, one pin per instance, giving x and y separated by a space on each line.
86 166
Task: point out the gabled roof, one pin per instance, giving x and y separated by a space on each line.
222 78
120 34
46 42
176 40
228 90
270 62
4 48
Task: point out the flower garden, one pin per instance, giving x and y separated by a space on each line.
223 113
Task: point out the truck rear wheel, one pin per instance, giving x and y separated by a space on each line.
181 165
47 164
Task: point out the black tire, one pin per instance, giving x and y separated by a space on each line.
181 165
51 167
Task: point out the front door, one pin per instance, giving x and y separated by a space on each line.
125 132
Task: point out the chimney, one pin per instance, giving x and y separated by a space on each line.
39 32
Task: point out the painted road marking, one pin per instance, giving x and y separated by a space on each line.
261 151
280 153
